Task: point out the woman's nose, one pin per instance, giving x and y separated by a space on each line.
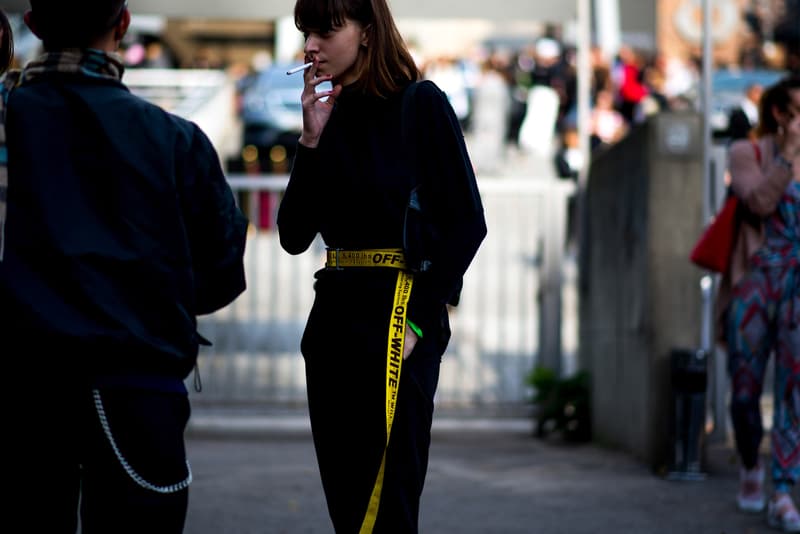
311 46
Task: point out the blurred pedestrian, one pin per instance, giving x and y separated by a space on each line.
156 56
490 118
6 43
569 159
606 124
601 71
744 117
521 76
120 229
537 134
628 80
402 219
760 302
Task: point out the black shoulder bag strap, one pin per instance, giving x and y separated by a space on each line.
413 223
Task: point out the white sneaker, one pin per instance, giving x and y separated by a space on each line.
782 514
751 490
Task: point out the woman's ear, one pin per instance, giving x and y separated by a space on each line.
365 36
122 27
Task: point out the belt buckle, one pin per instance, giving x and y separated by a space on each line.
338 266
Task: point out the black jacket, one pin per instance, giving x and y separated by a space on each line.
121 229
354 187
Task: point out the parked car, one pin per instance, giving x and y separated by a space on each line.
271 111
728 89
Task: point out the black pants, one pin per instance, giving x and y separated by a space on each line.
346 394
61 460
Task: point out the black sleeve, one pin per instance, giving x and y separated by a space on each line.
452 202
216 229
298 215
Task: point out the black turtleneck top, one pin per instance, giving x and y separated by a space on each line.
353 189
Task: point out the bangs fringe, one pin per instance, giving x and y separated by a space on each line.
321 17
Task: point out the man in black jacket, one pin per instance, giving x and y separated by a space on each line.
743 118
117 229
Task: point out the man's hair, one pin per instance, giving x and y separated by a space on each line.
386 65
75 23
6 43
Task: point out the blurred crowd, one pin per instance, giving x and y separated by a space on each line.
526 99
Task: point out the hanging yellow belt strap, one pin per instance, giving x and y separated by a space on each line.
394 362
338 259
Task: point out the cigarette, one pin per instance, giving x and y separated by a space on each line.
301 67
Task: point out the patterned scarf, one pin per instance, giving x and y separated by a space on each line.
91 63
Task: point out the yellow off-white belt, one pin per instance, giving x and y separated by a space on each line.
373 257
392 258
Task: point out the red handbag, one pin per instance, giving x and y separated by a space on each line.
714 248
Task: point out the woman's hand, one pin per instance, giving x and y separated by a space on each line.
316 111
409 343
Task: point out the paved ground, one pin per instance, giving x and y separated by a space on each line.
258 475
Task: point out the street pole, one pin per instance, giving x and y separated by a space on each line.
708 65
584 96
609 36
584 42
705 94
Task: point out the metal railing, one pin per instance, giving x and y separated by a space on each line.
509 318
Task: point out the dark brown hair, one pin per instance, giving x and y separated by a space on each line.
778 97
6 43
74 24
386 66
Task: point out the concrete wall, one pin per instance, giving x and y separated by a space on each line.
639 294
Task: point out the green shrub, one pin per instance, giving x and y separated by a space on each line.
562 404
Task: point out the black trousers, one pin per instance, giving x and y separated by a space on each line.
62 461
346 395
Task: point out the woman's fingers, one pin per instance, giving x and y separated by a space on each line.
333 94
311 78
321 79
409 343
311 99
317 105
311 72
